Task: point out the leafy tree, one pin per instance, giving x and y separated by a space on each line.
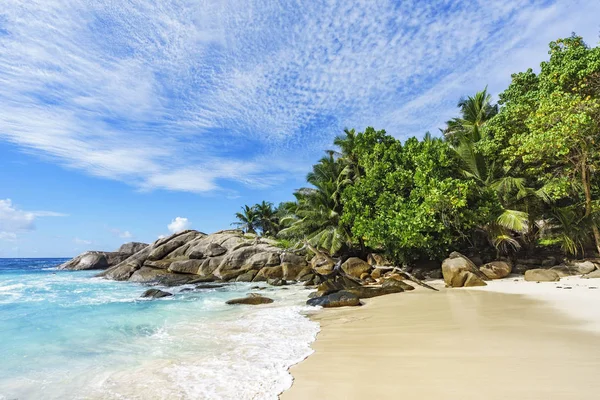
559 142
411 200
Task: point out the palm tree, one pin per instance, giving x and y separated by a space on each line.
464 133
317 215
475 112
247 220
267 219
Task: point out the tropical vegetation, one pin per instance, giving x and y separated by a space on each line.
511 176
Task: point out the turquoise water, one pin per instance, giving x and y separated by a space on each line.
67 335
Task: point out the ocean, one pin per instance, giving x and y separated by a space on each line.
68 335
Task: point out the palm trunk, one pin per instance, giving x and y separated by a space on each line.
586 180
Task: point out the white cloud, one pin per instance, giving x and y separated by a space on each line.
178 224
82 241
182 95
161 236
14 220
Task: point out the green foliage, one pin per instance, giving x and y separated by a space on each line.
556 143
520 173
316 216
259 218
412 200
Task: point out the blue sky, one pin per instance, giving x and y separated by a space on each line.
125 120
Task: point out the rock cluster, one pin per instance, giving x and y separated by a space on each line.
192 256
460 271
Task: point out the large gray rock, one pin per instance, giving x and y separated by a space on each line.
123 270
574 268
458 271
159 276
132 247
247 276
541 275
267 273
209 266
160 264
162 251
582 267
390 286
253 299
233 263
378 260
337 299
155 294
186 266
148 275
496 269
224 255
87 260
205 249
94 260
293 259
260 260
322 265
355 267
592 275
292 272
473 280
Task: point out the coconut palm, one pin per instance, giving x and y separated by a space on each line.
475 112
267 218
317 217
464 133
248 219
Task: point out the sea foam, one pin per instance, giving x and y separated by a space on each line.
68 335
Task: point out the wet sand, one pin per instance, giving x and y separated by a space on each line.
453 344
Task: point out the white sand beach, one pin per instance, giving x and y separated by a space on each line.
510 339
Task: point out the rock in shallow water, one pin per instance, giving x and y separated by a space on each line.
253 299
155 294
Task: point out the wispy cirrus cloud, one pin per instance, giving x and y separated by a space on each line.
187 95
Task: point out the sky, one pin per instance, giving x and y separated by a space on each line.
127 120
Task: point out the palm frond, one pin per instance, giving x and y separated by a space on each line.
516 221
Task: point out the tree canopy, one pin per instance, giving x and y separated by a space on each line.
509 176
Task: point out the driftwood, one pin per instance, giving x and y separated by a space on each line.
407 276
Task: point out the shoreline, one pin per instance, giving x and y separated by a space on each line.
510 338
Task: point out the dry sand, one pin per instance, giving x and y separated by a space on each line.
459 344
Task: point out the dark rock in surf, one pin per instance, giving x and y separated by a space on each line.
155 294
